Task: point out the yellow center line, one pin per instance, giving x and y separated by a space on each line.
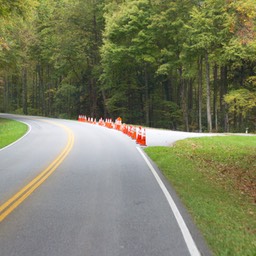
19 197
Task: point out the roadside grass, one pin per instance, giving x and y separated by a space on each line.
10 131
215 178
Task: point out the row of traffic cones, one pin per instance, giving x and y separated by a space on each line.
136 133
83 118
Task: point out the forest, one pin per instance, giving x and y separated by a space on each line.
183 65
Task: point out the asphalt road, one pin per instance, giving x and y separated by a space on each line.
97 195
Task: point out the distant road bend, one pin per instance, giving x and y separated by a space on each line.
70 188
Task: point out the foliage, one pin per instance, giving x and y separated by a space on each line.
159 63
16 7
241 101
65 99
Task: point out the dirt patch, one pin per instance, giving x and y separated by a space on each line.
244 179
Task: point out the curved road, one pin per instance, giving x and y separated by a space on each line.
76 189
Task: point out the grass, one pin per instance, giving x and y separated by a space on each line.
215 178
10 131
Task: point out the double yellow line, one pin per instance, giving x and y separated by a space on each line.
18 198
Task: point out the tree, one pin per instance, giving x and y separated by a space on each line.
66 100
127 55
174 65
160 63
242 104
208 29
16 7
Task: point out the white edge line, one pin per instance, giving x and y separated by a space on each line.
29 130
183 227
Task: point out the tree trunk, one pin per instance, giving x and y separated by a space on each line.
200 89
235 117
24 91
6 94
183 87
215 96
105 109
190 95
93 96
147 100
40 91
223 105
208 93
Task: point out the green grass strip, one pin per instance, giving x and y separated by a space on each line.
10 131
215 178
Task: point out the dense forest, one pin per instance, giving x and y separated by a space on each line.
183 65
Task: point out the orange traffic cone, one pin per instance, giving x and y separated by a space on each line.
82 117
129 131
134 133
118 123
111 125
101 121
143 138
139 135
124 129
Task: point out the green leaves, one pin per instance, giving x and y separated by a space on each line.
16 7
132 58
241 101
65 98
127 47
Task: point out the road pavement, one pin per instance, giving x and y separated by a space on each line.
162 137
101 196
